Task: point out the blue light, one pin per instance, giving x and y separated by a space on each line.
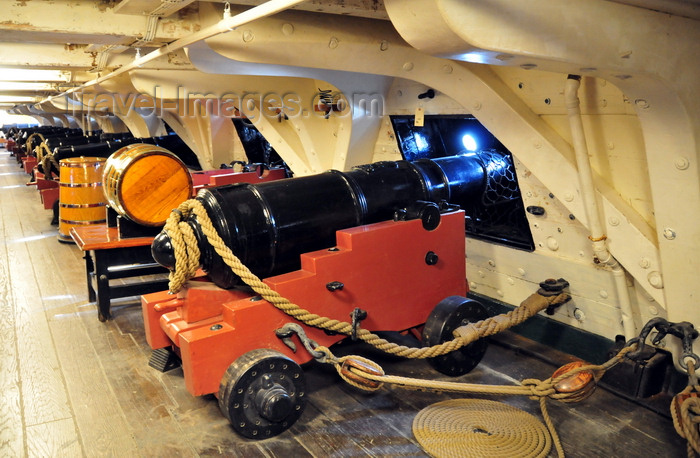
469 142
421 143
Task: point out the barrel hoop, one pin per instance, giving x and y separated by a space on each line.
80 185
82 223
98 204
95 164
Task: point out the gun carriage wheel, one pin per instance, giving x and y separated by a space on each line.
262 393
448 315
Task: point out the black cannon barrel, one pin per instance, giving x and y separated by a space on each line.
179 148
46 131
109 136
104 149
269 225
55 142
172 143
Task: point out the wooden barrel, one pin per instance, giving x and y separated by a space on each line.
80 196
145 182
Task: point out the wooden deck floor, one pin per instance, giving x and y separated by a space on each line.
72 386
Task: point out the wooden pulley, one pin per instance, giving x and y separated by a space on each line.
353 368
582 383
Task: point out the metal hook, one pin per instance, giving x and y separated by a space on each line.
288 330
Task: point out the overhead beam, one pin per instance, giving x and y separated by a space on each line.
372 9
63 21
159 8
46 56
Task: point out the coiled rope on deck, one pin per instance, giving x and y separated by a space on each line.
475 428
535 389
187 262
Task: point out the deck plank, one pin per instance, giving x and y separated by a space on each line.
55 438
43 392
11 422
367 419
103 429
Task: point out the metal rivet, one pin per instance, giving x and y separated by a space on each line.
614 221
603 294
644 263
408 66
681 163
287 29
655 279
384 45
669 233
579 315
333 43
641 103
216 327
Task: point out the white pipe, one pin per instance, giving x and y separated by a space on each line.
590 202
226 24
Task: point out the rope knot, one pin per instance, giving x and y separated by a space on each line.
685 411
539 388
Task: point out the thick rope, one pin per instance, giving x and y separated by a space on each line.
42 151
49 163
28 143
187 262
533 388
685 411
476 428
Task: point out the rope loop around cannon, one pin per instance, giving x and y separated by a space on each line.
187 262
